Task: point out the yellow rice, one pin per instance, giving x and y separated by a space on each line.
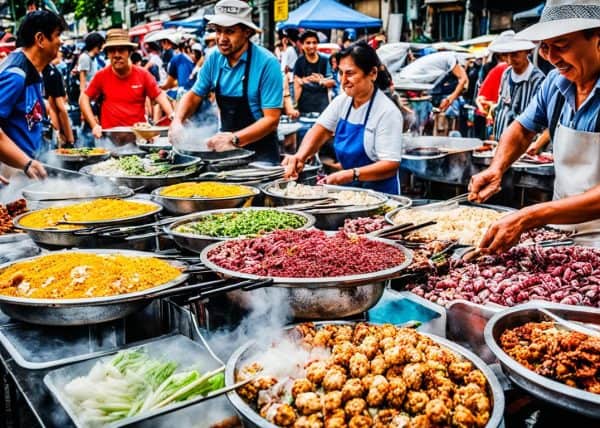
205 189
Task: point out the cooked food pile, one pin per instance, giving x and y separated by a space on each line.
8 212
97 210
364 225
132 383
132 166
242 223
464 224
306 254
84 275
569 357
346 197
82 151
365 376
206 189
569 275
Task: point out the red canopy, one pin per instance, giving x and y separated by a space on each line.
142 29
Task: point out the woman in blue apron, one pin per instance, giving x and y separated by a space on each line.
366 127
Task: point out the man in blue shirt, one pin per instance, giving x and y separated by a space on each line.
568 104
247 83
21 101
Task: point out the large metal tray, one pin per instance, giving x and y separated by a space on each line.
554 392
187 353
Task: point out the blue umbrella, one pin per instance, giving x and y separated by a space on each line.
328 14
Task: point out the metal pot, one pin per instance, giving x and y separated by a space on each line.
554 392
197 243
74 162
251 418
180 206
317 298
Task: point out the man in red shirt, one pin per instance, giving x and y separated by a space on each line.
123 86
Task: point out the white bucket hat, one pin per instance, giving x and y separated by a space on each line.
507 42
563 17
231 12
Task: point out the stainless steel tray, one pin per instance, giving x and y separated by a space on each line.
554 392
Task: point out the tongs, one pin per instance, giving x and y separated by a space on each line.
442 204
400 229
312 204
570 325
122 231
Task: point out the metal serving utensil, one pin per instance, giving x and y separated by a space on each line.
569 325
442 204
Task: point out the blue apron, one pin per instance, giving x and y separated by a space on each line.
350 151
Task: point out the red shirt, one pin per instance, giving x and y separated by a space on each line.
124 99
490 87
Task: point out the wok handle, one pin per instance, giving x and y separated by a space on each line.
250 284
186 289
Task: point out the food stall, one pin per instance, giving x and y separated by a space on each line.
227 296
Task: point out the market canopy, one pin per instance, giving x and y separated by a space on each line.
328 14
532 13
196 21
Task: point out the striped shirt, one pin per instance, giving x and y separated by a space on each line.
540 111
514 96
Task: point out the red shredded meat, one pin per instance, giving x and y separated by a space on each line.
305 254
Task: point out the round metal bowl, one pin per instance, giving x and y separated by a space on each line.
317 298
326 219
197 243
573 399
75 162
65 312
75 238
251 418
177 205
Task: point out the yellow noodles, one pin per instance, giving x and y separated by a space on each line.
97 210
205 189
84 275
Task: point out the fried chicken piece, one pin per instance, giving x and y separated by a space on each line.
462 417
315 372
378 391
360 421
353 388
361 330
332 401
437 411
355 407
415 402
413 375
334 380
396 393
359 365
394 355
323 338
308 403
459 369
313 421
462 394
367 381
302 385
343 333
279 414
387 343
341 353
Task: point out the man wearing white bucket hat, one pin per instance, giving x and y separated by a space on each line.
519 82
247 83
568 104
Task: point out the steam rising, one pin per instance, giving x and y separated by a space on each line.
197 131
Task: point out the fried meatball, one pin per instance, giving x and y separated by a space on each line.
353 388
250 391
419 421
343 333
406 336
336 420
394 355
367 381
316 371
384 417
341 353
412 355
323 338
332 401
360 421
387 330
378 390
396 393
394 371
459 369
387 343
462 417
359 365
413 375
378 365
280 414
415 402
334 380
369 346
356 406
361 330
477 403
302 385
462 394
308 403
478 378
313 421
437 411
440 383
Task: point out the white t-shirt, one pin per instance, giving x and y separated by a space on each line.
88 64
383 133
288 59
429 68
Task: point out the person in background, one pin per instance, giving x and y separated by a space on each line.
335 75
87 64
366 127
154 64
56 96
179 71
290 55
210 41
487 98
350 37
123 86
198 57
169 48
21 100
136 59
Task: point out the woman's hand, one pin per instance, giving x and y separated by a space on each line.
293 165
344 176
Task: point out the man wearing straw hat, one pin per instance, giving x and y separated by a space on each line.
124 88
568 104
247 83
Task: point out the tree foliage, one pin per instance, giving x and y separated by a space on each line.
91 11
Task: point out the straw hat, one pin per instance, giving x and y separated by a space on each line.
563 17
118 37
507 42
231 12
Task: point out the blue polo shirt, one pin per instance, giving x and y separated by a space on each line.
539 112
21 102
265 89
180 68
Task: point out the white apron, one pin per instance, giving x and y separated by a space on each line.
576 167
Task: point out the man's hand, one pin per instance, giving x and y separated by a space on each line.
36 171
341 177
484 185
97 131
503 234
293 113
3 180
445 104
221 142
293 166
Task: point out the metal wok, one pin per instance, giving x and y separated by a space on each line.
197 243
178 205
75 162
317 298
81 237
251 418
573 399
93 310
220 161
